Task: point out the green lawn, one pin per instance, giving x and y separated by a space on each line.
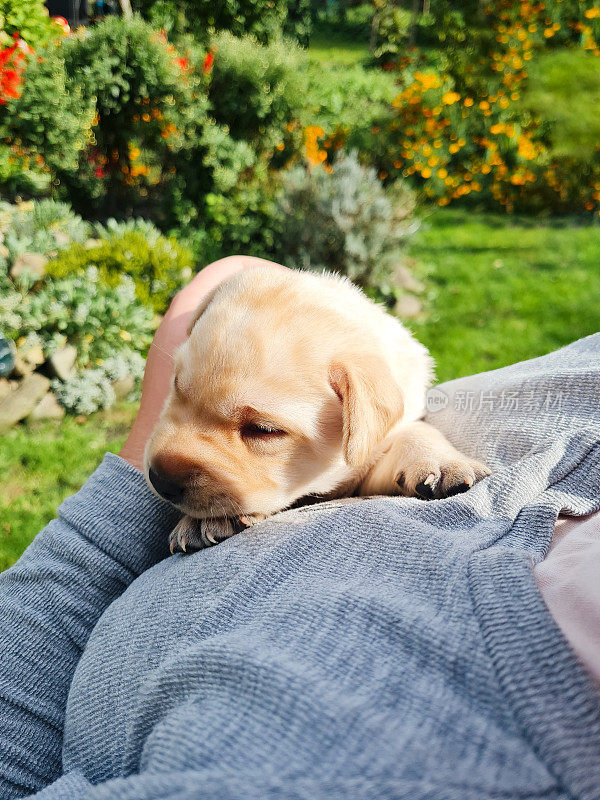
331 46
41 466
502 289
499 290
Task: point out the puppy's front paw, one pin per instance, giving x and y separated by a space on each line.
435 479
194 534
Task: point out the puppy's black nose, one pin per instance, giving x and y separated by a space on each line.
166 486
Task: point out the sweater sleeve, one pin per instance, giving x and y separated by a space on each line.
108 533
179 785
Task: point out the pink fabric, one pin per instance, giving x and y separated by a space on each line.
569 580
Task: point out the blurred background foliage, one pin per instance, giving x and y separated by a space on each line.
444 155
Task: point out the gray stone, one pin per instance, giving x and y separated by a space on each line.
34 356
61 238
47 408
408 306
22 368
123 387
20 403
5 387
29 262
62 361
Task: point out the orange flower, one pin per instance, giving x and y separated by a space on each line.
449 98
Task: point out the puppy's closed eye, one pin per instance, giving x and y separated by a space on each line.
255 430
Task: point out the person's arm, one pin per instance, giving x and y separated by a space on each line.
108 533
113 529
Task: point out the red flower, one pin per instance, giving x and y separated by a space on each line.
99 172
11 67
62 23
183 63
209 59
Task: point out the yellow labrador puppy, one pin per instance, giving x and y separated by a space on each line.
294 385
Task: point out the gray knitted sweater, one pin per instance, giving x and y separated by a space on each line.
354 650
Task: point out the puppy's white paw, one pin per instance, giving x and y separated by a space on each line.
434 479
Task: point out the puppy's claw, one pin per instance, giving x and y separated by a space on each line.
193 534
186 534
252 519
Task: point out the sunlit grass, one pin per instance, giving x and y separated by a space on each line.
502 289
331 46
42 465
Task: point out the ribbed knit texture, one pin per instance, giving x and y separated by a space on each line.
104 537
355 650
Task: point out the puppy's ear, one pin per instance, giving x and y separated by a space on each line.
371 403
201 309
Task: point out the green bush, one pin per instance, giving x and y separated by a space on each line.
44 130
99 321
43 226
344 221
392 26
256 91
244 219
564 91
347 102
28 18
264 19
222 192
150 104
158 265
92 389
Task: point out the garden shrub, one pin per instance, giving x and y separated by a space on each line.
342 106
461 128
43 226
92 389
256 91
158 265
392 29
25 27
244 219
266 20
44 129
345 221
99 321
150 105
563 90
28 19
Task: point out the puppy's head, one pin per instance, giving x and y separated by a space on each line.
275 396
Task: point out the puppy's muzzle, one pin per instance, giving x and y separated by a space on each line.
166 486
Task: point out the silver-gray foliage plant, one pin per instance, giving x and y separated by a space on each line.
345 221
40 226
90 390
